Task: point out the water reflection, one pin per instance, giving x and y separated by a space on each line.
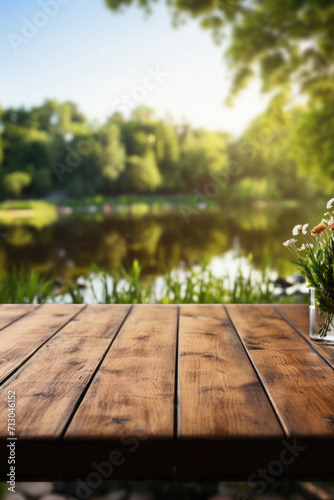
67 248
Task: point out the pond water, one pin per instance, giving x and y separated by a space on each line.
67 248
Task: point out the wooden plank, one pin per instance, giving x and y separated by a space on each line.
99 321
50 384
21 339
298 316
298 381
129 407
12 312
224 415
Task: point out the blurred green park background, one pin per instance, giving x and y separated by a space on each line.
141 187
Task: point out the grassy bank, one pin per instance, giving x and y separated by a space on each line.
125 200
30 212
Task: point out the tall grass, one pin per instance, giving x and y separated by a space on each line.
21 287
195 286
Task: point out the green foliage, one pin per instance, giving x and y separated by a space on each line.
203 287
251 189
77 187
42 182
142 174
167 152
203 153
39 214
70 119
57 148
3 489
269 159
21 287
113 162
314 142
291 40
290 45
129 287
24 145
315 260
196 286
15 182
124 288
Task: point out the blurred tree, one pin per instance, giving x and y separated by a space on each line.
71 120
15 182
23 145
77 187
138 131
203 153
42 182
46 116
143 115
314 143
289 44
290 41
18 116
113 156
269 149
167 151
141 174
254 189
83 154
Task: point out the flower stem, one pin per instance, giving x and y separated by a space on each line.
324 327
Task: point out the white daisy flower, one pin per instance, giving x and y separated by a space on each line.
289 242
309 245
301 248
330 204
305 228
297 230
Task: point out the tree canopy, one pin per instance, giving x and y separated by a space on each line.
288 44
285 42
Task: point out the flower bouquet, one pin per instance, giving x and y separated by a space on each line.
314 255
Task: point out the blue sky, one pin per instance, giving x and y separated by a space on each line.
85 53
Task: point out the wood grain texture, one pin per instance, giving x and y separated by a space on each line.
298 316
20 339
219 403
49 385
95 390
12 312
298 381
216 398
132 396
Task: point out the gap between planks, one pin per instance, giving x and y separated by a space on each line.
94 374
132 397
298 381
22 342
10 313
262 382
50 383
325 352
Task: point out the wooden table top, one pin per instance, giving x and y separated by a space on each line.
151 391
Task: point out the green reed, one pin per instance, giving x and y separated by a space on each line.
23 287
193 286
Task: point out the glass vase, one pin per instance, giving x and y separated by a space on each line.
321 322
